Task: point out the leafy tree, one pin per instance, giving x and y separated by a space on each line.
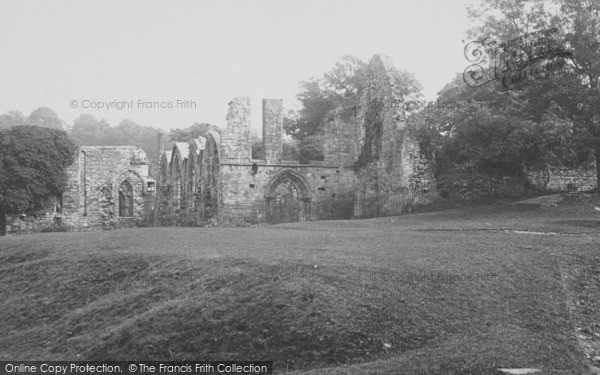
42 117
192 132
87 131
45 117
128 133
33 162
310 148
12 118
553 119
289 149
341 87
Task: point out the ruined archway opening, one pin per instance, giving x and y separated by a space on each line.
125 199
288 198
284 206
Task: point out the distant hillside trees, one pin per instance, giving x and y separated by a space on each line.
88 131
43 117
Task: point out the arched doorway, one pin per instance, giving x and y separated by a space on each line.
285 206
287 198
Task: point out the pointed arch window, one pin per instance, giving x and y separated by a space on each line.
125 199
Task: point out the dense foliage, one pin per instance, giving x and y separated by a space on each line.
552 119
43 117
193 132
88 131
341 87
33 162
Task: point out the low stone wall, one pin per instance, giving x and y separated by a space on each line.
21 224
560 179
470 187
392 203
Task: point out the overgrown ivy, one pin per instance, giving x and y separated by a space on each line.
372 144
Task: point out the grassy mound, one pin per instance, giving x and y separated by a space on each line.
124 307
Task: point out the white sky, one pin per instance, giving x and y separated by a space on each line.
53 52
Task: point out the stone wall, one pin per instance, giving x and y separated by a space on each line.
477 187
234 142
389 156
104 175
339 137
248 187
189 188
107 187
246 192
560 179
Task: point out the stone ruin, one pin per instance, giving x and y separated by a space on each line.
215 181
372 167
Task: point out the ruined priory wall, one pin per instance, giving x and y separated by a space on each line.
389 155
244 188
339 137
235 141
272 130
93 195
91 199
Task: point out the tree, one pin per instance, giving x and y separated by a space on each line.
33 162
87 131
12 118
192 132
310 148
128 133
550 120
46 118
341 87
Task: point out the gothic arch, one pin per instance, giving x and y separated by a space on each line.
130 187
125 199
125 175
179 153
298 180
288 198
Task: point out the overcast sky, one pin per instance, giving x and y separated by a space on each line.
64 54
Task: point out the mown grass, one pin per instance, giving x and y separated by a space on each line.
361 296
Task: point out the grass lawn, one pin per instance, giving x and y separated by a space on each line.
461 291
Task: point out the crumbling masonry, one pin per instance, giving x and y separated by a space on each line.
372 166
215 181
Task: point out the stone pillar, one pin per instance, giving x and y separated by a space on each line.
272 130
235 140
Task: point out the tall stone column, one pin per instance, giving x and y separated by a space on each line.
235 140
272 130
